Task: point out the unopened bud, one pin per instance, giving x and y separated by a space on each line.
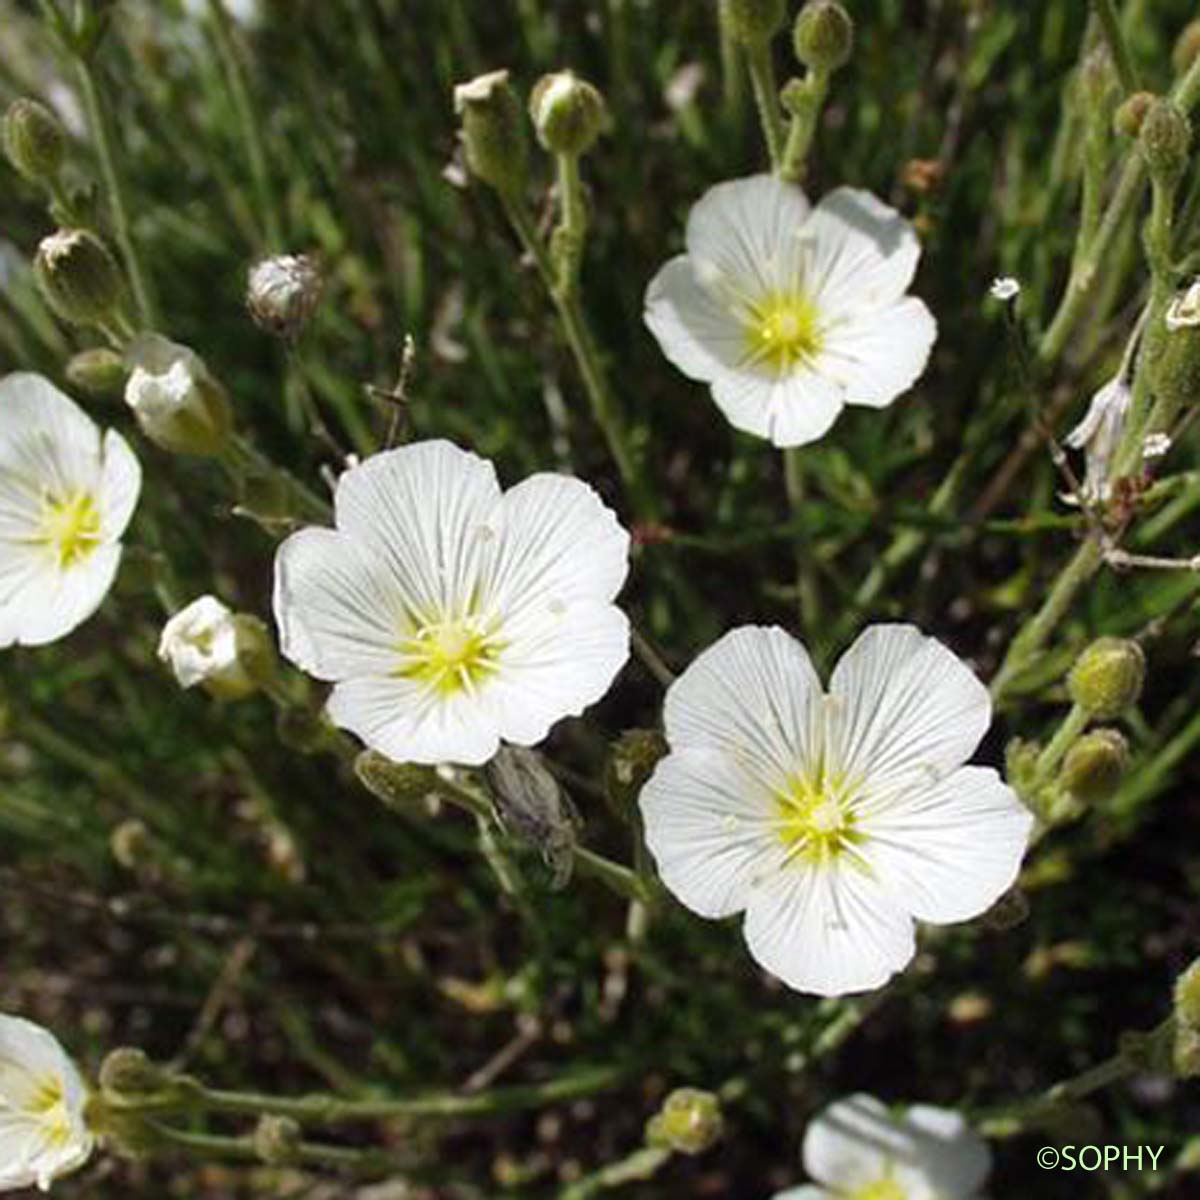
1107 677
230 654
823 36
1187 996
33 140
493 131
689 1122
1175 364
177 402
1187 46
128 1071
129 843
756 20
277 1140
398 785
78 276
1186 1052
1095 765
282 292
568 113
631 762
98 372
300 729
1165 138
1131 114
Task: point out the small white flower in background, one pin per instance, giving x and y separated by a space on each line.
282 292
1184 310
833 820
450 615
176 400
1005 288
244 12
791 312
857 1150
1099 434
66 496
43 1133
205 643
1156 445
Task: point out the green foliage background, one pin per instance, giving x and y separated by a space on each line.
281 928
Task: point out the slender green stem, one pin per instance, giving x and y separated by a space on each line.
100 122
1114 36
243 459
210 1145
644 1163
732 81
251 125
1073 724
766 96
805 115
571 235
793 469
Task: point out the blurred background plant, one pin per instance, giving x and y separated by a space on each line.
211 882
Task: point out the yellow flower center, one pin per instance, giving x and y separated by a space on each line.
49 1105
783 330
883 1189
452 656
817 823
71 528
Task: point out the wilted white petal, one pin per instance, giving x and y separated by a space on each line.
1005 287
1099 434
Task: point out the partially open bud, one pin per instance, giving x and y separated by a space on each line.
1095 765
79 277
177 402
277 1140
230 654
823 36
689 1122
33 140
631 762
568 113
1165 138
1175 366
97 372
128 1071
756 20
1107 677
1187 996
1187 46
282 292
398 785
1131 113
493 131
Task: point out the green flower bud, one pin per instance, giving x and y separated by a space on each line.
1174 355
1187 46
301 729
1187 997
1131 114
398 785
823 36
1186 1052
128 1071
277 1140
78 276
34 141
130 843
177 402
568 113
631 762
1094 767
1107 677
1165 138
282 292
689 1122
756 20
493 131
98 372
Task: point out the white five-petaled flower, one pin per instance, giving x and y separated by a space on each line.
833 820
1005 288
43 1133
66 496
450 615
791 312
856 1150
1099 434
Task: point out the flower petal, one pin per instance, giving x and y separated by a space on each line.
338 607
876 356
707 826
789 410
902 703
754 695
120 485
806 1191
828 928
951 1159
41 602
46 437
848 1144
860 254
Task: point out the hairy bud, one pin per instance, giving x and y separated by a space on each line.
78 276
1107 677
129 843
97 372
689 1122
568 113
493 131
277 1140
128 1071
1095 765
1187 996
1165 138
282 292
398 785
33 139
823 36
756 20
1131 113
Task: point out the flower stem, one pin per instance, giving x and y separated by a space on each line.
732 88
571 234
1067 734
210 1145
793 467
803 127
644 1163
1118 47
766 96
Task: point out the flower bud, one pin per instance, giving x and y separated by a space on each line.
1186 1052
1175 360
300 729
282 292
823 36
689 1122
1130 114
1187 46
277 1140
1107 677
128 1071
398 785
78 276
1187 996
229 654
756 20
631 762
568 113
177 402
1094 767
129 843
1165 138
97 372
493 131
34 141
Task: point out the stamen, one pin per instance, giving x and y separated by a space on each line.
452 656
70 528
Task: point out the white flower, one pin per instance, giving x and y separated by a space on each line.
790 313
1005 288
856 1150
1156 445
66 496
1099 434
1184 310
244 12
832 820
43 1134
205 643
451 615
